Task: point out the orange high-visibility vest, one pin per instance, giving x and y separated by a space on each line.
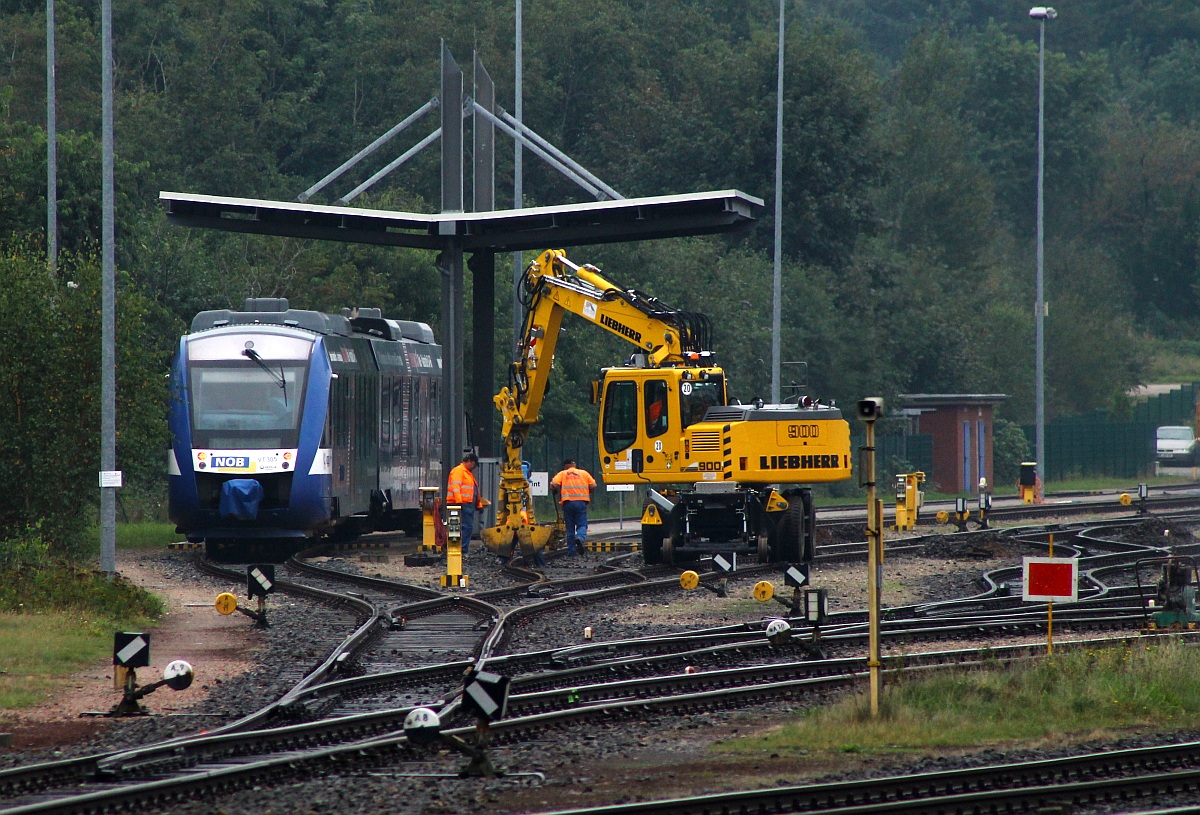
574 485
462 489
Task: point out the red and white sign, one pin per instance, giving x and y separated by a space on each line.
1051 579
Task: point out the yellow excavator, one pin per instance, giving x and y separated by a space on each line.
722 477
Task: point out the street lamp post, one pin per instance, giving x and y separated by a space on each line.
1041 14
777 276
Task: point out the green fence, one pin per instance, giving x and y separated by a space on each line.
1094 444
1174 407
896 454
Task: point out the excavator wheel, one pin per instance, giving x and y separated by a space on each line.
787 544
792 530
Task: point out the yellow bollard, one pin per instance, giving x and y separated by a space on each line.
909 500
428 521
454 576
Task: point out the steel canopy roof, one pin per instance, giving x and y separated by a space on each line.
666 216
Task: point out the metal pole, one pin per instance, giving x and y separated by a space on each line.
1040 305
560 160
368 150
391 165
777 279
1050 610
51 147
518 182
108 383
874 568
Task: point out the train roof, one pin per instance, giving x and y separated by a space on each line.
275 311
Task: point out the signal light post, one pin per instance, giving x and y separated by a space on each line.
869 410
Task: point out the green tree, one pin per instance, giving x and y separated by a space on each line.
1147 210
938 198
50 400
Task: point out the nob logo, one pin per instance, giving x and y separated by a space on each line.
803 431
232 462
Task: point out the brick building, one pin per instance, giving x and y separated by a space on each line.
961 427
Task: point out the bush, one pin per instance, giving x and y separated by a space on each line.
32 580
1009 448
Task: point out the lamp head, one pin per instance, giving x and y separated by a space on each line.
1042 13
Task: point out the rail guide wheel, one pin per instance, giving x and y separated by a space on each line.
652 544
668 547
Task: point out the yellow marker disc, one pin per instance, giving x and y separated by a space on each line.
226 603
943 517
763 591
1126 499
689 580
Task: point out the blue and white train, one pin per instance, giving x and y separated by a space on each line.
289 426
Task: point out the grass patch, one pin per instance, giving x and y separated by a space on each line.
57 617
37 650
145 535
1089 694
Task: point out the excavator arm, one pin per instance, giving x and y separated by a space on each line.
551 287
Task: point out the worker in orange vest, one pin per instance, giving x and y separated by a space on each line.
574 487
463 489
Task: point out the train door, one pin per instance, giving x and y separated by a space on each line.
339 426
659 435
639 425
365 444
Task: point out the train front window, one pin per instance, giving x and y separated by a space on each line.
240 406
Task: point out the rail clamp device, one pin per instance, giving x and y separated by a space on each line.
485 694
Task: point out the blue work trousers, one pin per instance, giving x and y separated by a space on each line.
467 516
575 517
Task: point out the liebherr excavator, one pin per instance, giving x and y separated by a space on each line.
722 477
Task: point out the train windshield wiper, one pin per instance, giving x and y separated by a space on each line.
278 377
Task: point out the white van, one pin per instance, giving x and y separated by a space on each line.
1176 446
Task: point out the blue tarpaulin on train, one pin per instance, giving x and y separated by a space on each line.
240 498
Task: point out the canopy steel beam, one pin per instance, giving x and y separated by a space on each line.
631 219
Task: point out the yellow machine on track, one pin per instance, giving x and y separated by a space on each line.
722 478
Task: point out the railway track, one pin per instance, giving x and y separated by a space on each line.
410 645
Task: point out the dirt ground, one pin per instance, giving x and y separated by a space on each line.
219 649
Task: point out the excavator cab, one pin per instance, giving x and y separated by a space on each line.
644 413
